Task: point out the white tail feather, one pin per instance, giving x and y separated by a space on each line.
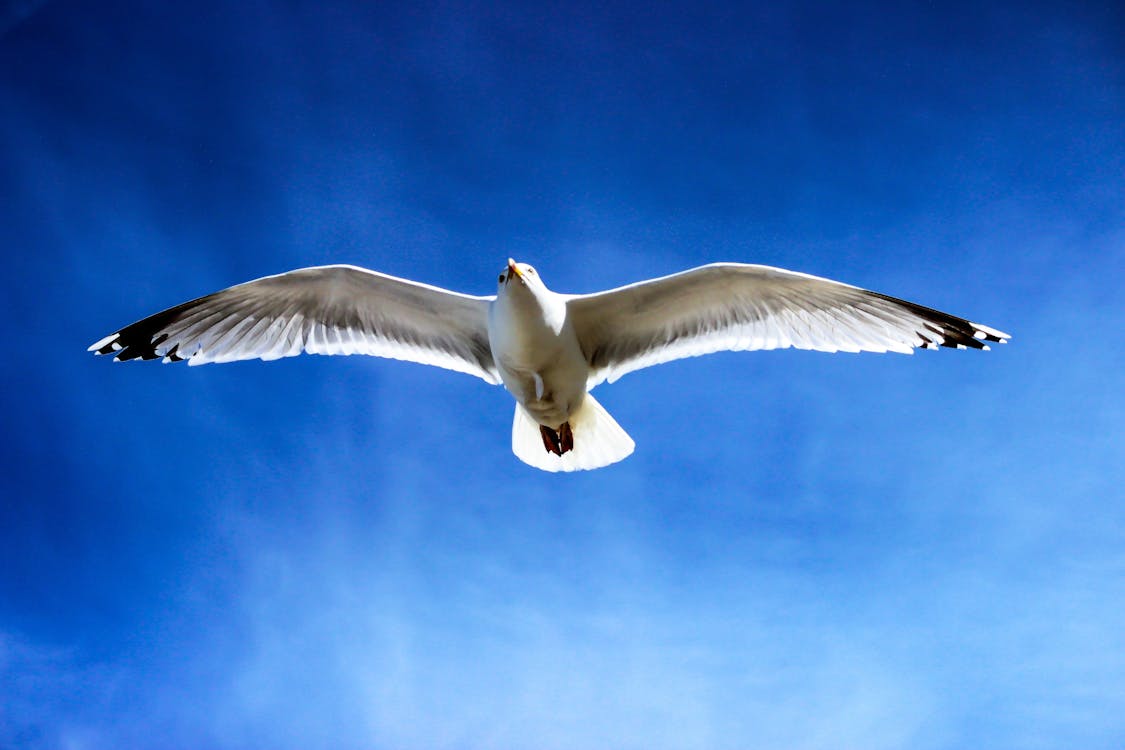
598 440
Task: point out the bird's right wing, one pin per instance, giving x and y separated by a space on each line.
734 306
336 309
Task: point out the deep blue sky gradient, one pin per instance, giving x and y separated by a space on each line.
805 551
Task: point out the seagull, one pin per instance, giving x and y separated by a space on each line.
548 349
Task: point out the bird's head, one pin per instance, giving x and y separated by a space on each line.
519 276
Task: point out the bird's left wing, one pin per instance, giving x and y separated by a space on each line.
733 306
336 309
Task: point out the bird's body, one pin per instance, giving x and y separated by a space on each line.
548 349
536 350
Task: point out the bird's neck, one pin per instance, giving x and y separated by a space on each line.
535 310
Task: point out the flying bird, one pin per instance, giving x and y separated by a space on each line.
548 349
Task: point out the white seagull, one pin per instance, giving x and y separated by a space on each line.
548 349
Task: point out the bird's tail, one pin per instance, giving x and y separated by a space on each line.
598 440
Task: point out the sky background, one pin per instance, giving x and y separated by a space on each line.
805 551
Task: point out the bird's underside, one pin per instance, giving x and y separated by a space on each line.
602 336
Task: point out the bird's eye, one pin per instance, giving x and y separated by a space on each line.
501 278
530 269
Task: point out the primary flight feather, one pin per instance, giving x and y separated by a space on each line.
548 349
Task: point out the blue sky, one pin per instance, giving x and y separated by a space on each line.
805 551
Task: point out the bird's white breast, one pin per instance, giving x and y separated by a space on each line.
537 353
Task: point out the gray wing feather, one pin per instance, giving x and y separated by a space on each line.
733 306
336 309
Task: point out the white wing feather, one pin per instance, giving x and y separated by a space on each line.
335 309
733 306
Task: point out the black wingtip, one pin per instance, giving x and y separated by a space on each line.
949 330
141 340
